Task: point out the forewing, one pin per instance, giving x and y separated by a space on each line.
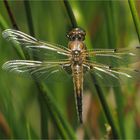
41 52
19 37
39 49
114 57
47 71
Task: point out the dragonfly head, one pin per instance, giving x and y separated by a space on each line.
76 34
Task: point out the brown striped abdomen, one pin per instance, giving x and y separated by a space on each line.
77 73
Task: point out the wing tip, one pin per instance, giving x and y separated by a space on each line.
5 65
6 33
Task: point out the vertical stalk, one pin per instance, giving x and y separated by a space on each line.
29 17
3 23
70 14
11 15
106 110
43 113
13 22
57 116
28 131
135 16
112 42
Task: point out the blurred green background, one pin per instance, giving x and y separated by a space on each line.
25 113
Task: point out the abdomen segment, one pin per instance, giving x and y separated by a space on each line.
77 73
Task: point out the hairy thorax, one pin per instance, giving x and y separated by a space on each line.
77 49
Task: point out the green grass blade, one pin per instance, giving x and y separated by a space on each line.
5 26
106 110
43 111
57 117
70 14
135 16
3 23
13 21
29 17
28 131
112 42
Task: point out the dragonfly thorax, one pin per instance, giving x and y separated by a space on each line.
76 45
76 57
77 48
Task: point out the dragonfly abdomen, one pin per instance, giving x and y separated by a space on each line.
77 73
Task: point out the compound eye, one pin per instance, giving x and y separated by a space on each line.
73 38
79 37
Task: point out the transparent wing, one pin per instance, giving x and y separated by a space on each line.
39 70
114 57
42 53
109 76
39 49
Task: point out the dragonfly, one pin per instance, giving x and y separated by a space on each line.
108 65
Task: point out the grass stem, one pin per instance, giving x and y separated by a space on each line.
112 36
43 114
106 110
135 16
70 14
3 23
11 15
29 17
13 21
